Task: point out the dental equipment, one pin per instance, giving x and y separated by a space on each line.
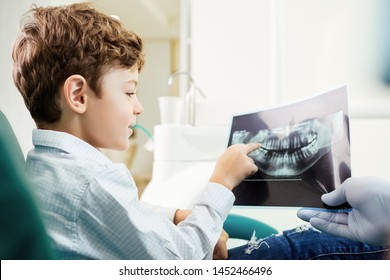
190 100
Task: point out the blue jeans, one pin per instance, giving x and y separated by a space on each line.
306 243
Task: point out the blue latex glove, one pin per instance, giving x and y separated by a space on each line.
369 219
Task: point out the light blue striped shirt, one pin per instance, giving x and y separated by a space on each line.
91 209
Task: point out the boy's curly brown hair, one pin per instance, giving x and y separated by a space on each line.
57 42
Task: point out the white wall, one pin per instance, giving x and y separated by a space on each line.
230 52
332 42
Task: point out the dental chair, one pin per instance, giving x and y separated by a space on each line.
22 234
241 227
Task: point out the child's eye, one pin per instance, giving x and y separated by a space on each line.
130 93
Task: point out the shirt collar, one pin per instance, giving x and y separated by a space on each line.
67 143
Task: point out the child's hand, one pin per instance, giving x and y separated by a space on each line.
234 165
220 250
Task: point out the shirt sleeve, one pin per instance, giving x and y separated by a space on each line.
219 196
204 225
166 211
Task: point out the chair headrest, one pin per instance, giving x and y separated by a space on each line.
23 235
8 140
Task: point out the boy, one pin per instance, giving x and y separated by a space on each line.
77 70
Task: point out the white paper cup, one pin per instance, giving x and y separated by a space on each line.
170 109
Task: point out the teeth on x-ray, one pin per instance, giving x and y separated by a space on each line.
290 150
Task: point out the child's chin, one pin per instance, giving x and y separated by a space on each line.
120 146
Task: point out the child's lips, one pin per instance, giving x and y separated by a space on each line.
130 130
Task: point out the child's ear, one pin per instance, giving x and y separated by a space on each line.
74 90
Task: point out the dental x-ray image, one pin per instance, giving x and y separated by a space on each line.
304 153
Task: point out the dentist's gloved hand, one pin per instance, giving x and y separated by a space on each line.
369 219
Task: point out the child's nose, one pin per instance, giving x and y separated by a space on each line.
138 108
